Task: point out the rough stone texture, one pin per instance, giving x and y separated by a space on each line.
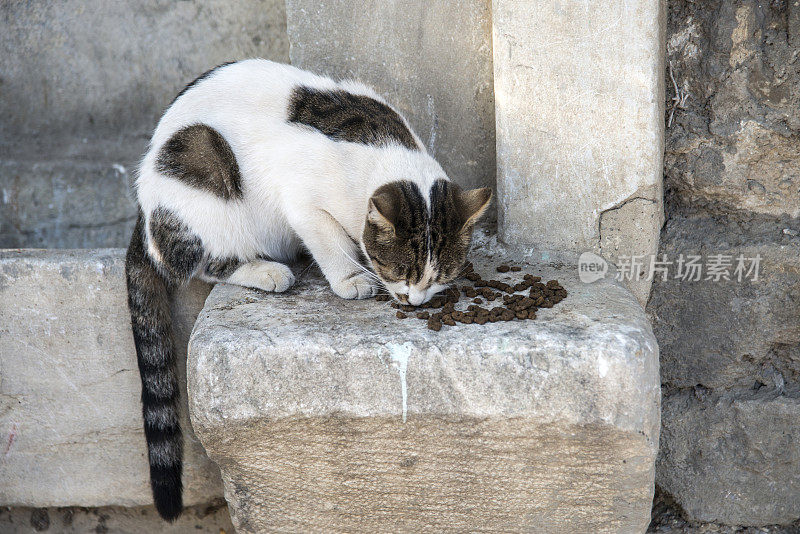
544 425
730 363
70 414
68 197
723 334
430 59
754 436
730 351
82 89
735 141
579 124
627 231
668 518
206 519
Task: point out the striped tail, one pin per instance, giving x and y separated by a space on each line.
148 301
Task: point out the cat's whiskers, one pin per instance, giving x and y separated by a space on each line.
366 271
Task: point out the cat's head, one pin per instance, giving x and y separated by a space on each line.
418 245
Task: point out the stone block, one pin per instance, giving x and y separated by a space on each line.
430 59
68 195
723 334
334 415
732 458
579 113
70 415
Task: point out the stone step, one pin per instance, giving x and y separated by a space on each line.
68 193
335 416
70 416
730 354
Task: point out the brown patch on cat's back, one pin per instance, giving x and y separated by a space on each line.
199 156
345 116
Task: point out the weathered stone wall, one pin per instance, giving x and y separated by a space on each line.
730 350
82 85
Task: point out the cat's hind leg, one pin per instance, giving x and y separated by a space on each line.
259 274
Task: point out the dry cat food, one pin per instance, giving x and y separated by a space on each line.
510 305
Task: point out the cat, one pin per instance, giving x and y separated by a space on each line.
255 162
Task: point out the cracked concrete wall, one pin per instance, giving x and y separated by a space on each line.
579 92
730 350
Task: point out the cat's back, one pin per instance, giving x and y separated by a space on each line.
238 99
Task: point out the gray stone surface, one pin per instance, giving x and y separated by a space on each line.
430 59
730 351
73 196
723 334
668 518
83 86
734 140
579 92
70 414
732 458
326 414
205 519
76 69
730 363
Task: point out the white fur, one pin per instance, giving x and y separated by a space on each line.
299 185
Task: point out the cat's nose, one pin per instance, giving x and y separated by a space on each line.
415 297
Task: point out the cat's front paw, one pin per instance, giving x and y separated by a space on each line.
265 275
355 286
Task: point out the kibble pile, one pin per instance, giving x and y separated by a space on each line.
513 307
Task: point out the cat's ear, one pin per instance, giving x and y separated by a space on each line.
381 211
473 204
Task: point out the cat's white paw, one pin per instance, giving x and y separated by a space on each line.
357 286
264 275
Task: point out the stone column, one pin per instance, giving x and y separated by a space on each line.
432 60
579 109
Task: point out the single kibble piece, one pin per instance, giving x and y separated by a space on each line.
503 269
434 324
516 269
423 315
401 315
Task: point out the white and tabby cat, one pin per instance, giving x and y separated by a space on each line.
251 164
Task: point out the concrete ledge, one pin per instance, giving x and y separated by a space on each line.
70 415
547 425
